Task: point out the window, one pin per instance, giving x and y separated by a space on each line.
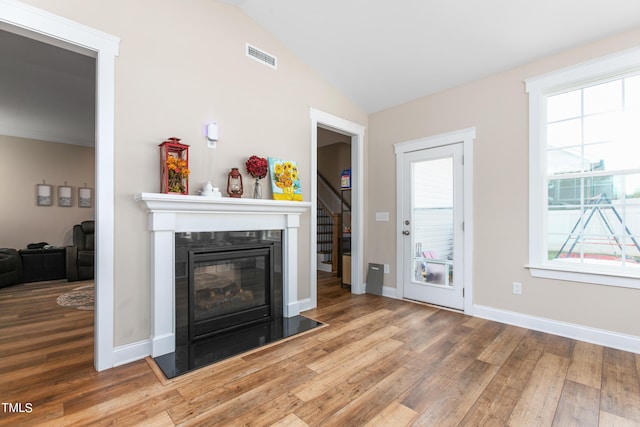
585 172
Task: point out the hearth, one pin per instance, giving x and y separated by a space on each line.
187 358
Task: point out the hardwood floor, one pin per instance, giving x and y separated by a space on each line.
380 362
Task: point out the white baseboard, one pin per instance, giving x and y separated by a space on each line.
390 292
141 349
305 304
327 268
569 330
131 352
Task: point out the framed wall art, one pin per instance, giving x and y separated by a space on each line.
64 196
84 197
43 194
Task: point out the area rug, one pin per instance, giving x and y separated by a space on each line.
82 298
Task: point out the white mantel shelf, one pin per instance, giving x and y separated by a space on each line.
173 213
157 202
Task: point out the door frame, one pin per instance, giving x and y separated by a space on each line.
356 132
466 137
38 24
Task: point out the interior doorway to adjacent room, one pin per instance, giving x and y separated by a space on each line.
353 134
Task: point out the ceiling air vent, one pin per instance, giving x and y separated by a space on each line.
262 56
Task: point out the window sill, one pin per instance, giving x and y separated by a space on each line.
598 278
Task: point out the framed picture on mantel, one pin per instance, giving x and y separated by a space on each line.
285 182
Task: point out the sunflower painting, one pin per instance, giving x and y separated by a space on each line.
285 181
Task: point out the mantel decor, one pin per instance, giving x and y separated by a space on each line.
257 167
174 166
234 183
285 182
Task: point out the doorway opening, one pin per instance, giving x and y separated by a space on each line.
334 220
353 134
25 20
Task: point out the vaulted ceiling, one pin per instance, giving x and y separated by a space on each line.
382 53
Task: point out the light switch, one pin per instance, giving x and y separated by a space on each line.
382 216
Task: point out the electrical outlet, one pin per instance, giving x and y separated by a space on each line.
517 288
386 268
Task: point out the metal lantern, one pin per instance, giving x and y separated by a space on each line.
234 183
174 167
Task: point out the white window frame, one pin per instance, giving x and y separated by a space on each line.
539 88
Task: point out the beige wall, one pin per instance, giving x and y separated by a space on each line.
27 162
497 107
182 65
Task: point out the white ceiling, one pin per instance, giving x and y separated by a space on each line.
383 53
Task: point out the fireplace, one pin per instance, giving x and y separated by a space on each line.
212 226
226 280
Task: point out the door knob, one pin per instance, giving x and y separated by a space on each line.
406 232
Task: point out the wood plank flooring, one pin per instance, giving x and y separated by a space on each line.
380 362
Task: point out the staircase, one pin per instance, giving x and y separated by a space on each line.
327 239
328 226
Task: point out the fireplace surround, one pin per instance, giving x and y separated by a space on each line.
170 214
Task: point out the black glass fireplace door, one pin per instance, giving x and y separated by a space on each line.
229 288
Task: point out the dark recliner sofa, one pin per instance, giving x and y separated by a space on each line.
11 272
81 256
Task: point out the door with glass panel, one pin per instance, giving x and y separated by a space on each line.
433 226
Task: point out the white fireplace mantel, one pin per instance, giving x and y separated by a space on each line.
170 214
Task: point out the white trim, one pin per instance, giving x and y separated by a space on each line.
466 137
356 131
594 277
538 88
569 330
388 291
45 26
305 304
131 352
585 72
